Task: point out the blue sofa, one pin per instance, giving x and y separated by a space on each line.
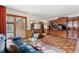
2 43
24 48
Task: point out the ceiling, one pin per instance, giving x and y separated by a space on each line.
46 10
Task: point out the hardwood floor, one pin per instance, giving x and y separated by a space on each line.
68 45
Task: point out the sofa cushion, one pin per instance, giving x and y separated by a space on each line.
2 45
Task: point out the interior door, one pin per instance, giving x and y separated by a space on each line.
20 27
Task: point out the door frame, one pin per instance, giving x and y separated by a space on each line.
15 22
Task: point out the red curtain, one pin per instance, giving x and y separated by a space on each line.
2 19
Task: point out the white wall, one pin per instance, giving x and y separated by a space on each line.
73 15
